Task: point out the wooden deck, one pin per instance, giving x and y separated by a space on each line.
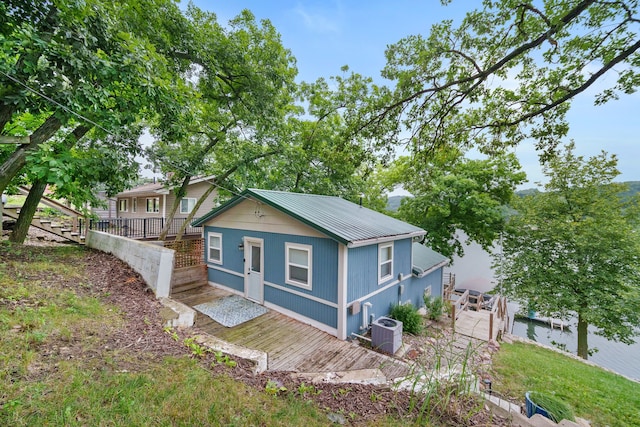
290 344
476 324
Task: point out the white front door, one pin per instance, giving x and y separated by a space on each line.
253 262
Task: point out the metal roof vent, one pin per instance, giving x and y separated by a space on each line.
386 335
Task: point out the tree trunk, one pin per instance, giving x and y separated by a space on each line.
30 206
583 344
27 212
182 191
17 160
193 211
6 111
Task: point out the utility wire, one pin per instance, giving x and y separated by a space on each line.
80 116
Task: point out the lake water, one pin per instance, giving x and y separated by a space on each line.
474 271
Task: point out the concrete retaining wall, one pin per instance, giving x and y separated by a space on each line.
153 262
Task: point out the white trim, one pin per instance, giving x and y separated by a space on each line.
343 258
225 288
381 247
134 204
375 240
147 205
432 269
298 246
301 294
246 242
211 234
296 316
188 198
126 205
303 319
382 289
224 270
164 205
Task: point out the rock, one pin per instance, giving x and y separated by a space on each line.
336 418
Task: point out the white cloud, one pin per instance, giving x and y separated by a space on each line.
318 20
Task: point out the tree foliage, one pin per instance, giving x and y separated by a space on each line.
574 249
507 72
452 193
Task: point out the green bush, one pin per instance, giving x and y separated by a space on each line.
434 306
556 408
409 316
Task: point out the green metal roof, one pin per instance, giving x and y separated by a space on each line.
342 220
426 259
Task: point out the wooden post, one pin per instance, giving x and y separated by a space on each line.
491 326
453 316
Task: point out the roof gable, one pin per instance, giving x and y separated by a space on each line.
341 220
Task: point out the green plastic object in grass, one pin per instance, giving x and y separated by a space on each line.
548 406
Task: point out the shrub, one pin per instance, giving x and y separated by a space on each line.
409 316
434 306
556 408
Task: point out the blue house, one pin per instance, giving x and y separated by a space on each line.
322 260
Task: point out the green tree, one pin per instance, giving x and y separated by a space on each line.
573 249
507 72
93 61
241 91
452 193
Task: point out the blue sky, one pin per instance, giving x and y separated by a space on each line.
324 35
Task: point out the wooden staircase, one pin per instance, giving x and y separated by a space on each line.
58 228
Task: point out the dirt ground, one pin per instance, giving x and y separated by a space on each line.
115 283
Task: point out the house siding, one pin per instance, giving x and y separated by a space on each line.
362 273
319 303
194 191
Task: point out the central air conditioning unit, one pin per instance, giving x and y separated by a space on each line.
386 335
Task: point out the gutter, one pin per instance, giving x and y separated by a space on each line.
434 268
384 239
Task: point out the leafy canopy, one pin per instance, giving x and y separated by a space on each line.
574 248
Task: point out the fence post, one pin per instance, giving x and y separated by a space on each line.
144 228
491 326
453 316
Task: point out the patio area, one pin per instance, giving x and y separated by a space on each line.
290 344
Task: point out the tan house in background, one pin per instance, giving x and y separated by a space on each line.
154 200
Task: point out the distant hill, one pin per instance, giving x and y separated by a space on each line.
393 202
634 188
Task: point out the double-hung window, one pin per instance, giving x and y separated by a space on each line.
122 205
186 205
385 262
214 252
298 265
153 204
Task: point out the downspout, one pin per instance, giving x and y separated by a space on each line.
365 316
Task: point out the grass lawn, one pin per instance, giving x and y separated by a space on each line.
604 398
59 364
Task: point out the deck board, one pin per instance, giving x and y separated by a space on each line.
291 345
475 324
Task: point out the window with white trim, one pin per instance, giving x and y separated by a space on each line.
134 204
122 205
385 262
214 251
298 265
153 204
187 204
